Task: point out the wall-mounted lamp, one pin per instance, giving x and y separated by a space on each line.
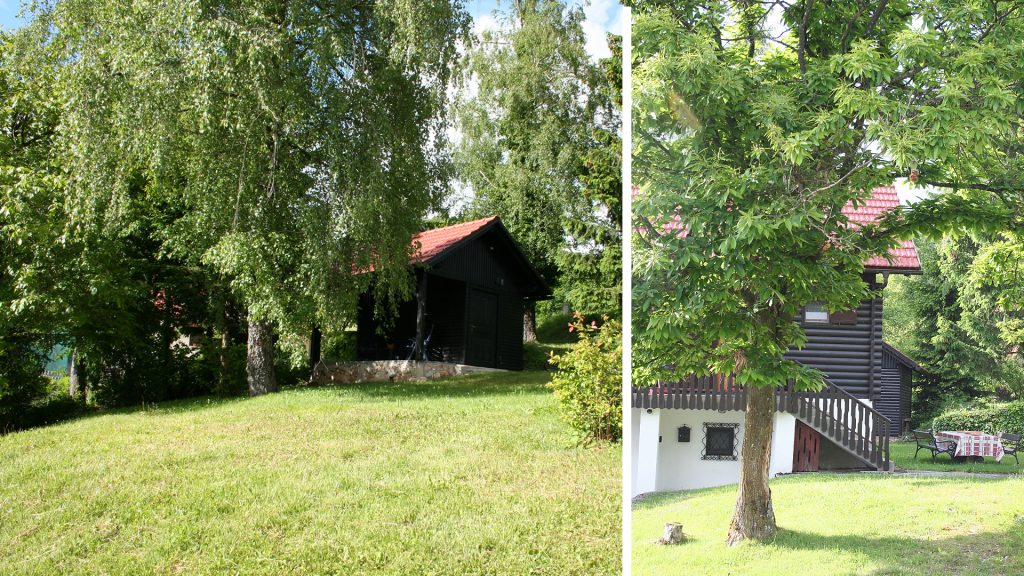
684 433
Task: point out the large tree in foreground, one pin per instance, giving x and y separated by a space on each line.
300 140
755 123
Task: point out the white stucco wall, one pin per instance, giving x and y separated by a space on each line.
783 440
679 465
634 444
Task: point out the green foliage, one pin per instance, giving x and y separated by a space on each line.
21 380
588 382
954 326
540 148
1007 417
590 266
755 129
554 329
280 146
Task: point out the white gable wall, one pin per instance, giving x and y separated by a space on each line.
679 465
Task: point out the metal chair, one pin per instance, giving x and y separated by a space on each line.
1011 444
926 441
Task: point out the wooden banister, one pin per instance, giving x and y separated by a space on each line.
842 418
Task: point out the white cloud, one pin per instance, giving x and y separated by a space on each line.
481 23
600 18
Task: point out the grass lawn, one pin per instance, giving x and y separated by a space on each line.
475 475
844 524
902 454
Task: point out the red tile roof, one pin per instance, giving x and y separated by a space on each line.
884 198
429 244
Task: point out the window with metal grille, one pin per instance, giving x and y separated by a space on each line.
720 441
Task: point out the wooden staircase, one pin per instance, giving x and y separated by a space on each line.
834 413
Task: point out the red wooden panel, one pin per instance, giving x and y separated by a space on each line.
806 449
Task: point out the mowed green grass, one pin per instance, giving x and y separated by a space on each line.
475 475
902 454
844 524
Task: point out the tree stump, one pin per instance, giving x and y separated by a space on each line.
673 534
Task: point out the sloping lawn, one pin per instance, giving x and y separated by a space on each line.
902 454
844 524
475 475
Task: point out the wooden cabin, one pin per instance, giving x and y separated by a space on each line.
686 434
848 346
472 283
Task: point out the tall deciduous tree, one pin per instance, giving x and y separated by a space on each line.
755 124
526 126
591 265
303 140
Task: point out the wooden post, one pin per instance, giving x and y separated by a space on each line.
421 315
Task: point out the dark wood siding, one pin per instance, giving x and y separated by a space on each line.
897 380
510 335
849 354
394 344
888 402
906 388
474 307
446 319
487 262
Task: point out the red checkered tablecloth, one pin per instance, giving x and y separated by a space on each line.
973 443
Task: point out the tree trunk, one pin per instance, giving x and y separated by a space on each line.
76 375
315 339
259 362
530 322
222 360
753 517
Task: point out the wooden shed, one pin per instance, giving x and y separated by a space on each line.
472 283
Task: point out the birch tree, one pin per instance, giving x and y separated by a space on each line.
302 140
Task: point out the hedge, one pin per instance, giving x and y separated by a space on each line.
1003 418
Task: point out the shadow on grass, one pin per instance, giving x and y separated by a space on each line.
493 384
468 386
960 554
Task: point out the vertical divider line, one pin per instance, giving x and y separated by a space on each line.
627 287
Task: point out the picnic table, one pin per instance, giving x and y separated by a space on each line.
971 445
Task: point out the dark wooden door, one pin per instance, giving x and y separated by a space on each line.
806 449
482 333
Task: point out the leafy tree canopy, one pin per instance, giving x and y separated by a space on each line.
296 141
755 123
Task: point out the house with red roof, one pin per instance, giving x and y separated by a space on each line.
687 434
472 282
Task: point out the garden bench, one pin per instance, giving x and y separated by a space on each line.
926 441
1011 443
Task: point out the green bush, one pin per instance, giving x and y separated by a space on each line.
588 382
1000 418
21 379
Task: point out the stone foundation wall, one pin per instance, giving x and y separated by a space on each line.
389 371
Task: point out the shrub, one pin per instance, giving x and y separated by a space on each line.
21 379
588 382
1001 418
